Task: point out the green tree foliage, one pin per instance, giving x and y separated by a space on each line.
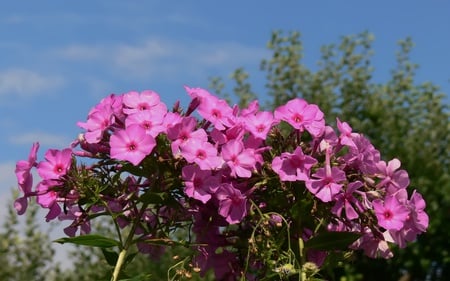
405 119
25 250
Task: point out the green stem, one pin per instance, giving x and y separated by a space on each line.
126 246
119 264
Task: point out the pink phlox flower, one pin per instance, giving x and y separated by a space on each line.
204 154
391 177
131 144
325 185
183 131
302 116
80 221
216 111
236 131
98 122
47 197
364 156
197 92
346 134
199 184
293 166
171 119
259 124
56 164
347 201
251 109
145 100
241 161
415 224
373 247
25 179
232 203
391 214
151 121
418 217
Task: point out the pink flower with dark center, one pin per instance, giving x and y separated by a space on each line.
199 184
204 154
293 166
146 100
98 122
183 131
232 203
56 164
241 161
151 121
131 144
216 111
347 201
47 197
391 214
259 124
392 178
302 116
326 185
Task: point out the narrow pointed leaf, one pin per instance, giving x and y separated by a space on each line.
332 241
89 240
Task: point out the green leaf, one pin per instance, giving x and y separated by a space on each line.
110 256
153 197
89 240
332 241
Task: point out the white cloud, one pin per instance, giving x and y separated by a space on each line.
45 139
156 57
24 83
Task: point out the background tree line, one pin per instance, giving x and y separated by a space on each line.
405 119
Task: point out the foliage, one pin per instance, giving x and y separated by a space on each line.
406 120
27 254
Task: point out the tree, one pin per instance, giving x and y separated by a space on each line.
25 250
406 120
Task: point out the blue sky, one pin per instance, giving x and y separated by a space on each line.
59 58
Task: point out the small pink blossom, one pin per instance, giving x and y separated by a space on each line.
56 164
25 179
151 121
326 185
232 203
393 179
131 144
184 131
200 184
215 110
241 161
146 100
259 124
391 214
346 135
302 116
347 201
293 166
47 197
204 154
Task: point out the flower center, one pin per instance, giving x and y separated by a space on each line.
201 154
132 146
297 118
388 214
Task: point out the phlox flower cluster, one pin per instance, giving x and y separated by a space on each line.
221 172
